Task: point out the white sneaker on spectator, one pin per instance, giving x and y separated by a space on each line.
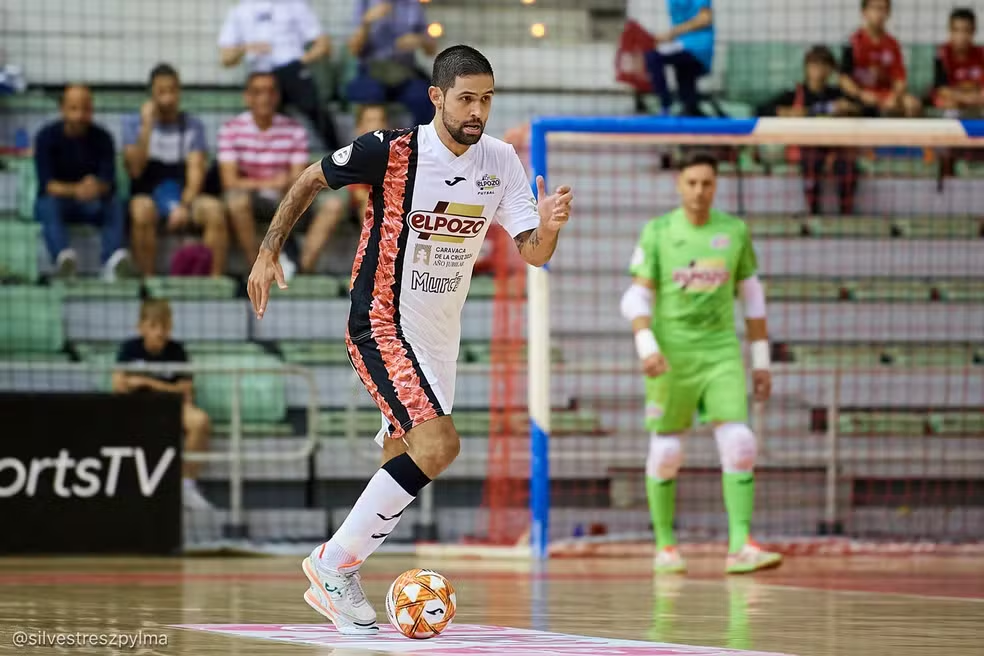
287 264
117 266
66 264
191 498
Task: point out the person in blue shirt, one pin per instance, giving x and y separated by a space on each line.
689 48
76 167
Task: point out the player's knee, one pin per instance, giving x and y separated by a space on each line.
736 446
665 457
912 105
142 211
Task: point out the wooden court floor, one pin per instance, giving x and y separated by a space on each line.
811 607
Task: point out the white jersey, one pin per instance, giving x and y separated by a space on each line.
428 213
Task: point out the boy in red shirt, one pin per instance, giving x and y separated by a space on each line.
958 87
872 67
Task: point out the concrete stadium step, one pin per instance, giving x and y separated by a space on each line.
470 423
871 423
198 320
873 355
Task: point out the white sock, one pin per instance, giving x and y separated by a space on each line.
374 516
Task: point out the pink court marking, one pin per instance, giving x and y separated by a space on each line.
465 640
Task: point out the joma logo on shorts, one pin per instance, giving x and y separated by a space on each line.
432 223
425 282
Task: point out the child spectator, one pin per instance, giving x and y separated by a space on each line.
872 66
815 97
155 347
958 88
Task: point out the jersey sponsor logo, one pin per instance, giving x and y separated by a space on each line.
654 410
449 222
454 181
488 183
425 282
702 275
342 156
422 254
720 242
379 135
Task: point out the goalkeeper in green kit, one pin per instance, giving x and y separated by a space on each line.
686 271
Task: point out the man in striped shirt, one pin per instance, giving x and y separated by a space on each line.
261 154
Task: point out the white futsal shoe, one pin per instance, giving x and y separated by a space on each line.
338 595
669 561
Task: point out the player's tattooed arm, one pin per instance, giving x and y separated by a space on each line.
297 200
536 248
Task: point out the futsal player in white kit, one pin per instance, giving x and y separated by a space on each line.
435 190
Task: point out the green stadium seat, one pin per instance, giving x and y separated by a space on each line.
314 353
223 348
757 71
31 319
920 68
874 355
965 169
894 167
97 289
334 423
19 251
262 396
191 288
315 287
964 291
280 429
910 423
482 287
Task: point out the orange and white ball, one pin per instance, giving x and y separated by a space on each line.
420 603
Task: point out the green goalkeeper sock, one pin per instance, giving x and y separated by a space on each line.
739 500
662 505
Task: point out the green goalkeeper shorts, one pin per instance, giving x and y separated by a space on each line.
711 384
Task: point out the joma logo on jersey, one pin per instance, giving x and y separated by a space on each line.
488 182
425 282
702 275
449 222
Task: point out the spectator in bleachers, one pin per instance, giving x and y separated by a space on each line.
76 170
261 153
155 348
816 97
345 203
688 48
388 34
164 150
873 68
958 87
272 37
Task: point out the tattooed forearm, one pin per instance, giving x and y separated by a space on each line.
535 247
297 200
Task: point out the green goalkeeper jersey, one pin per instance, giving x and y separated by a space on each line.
695 271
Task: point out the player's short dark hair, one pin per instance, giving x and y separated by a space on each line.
820 54
155 309
965 14
865 3
361 110
163 70
458 61
258 74
698 158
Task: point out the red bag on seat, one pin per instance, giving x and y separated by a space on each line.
630 65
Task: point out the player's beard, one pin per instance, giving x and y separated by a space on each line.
458 133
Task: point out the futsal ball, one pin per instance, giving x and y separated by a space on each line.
420 603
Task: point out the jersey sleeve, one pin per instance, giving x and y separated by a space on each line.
747 261
897 71
518 211
363 161
645 257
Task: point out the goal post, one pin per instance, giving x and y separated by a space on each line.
856 285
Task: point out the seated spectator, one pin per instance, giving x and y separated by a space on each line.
388 34
345 203
164 150
688 48
958 88
76 168
816 97
261 153
272 38
872 67
155 347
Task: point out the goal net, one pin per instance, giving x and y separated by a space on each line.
870 242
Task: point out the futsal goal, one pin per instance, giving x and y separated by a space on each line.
870 241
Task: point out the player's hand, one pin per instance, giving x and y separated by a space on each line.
655 365
87 189
869 98
178 218
259 48
148 112
761 385
554 209
266 269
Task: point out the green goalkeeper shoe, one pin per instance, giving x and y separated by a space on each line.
752 558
